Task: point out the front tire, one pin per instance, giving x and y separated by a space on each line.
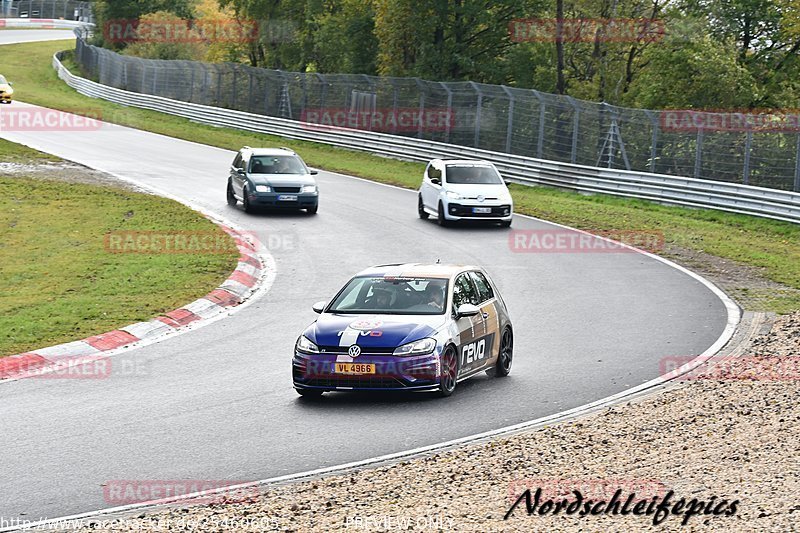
440 218
504 359
312 210
449 372
505 223
248 208
230 196
421 209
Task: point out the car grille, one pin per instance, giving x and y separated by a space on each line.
466 211
287 189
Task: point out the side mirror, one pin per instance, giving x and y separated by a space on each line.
436 181
319 306
507 183
240 171
467 310
313 172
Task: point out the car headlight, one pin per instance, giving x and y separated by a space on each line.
262 188
309 188
417 347
306 346
453 195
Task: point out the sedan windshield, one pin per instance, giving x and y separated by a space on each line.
472 175
2 80
392 296
276 164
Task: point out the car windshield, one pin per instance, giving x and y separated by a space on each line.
2 80
472 175
392 296
276 164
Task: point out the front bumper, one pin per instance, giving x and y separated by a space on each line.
392 373
278 199
4 97
463 211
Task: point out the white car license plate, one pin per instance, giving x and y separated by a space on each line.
287 198
481 210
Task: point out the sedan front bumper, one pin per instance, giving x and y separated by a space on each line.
318 371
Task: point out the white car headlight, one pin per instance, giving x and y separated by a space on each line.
454 195
417 347
306 346
309 188
263 188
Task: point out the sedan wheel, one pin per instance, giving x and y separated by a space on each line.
421 209
246 201
449 366
231 198
503 365
440 218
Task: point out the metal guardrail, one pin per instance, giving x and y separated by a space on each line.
42 23
690 192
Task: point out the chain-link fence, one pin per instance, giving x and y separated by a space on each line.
46 9
733 147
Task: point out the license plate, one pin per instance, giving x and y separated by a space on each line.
353 368
287 198
481 210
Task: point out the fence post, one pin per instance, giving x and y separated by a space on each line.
477 114
542 111
797 167
510 126
698 154
576 120
654 140
394 105
421 105
748 143
449 110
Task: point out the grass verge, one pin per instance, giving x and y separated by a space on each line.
58 280
773 247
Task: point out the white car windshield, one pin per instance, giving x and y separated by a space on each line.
392 296
2 80
472 175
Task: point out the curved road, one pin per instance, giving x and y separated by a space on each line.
217 403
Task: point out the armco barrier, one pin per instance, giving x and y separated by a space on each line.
690 192
52 24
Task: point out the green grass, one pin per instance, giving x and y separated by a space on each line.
58 280
17 153
768 245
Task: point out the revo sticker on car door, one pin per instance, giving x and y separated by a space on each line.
475 354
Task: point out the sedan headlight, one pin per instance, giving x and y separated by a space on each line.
306 346
262 188
453 195
309 188
417 347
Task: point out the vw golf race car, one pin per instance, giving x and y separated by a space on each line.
410 327
6 92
